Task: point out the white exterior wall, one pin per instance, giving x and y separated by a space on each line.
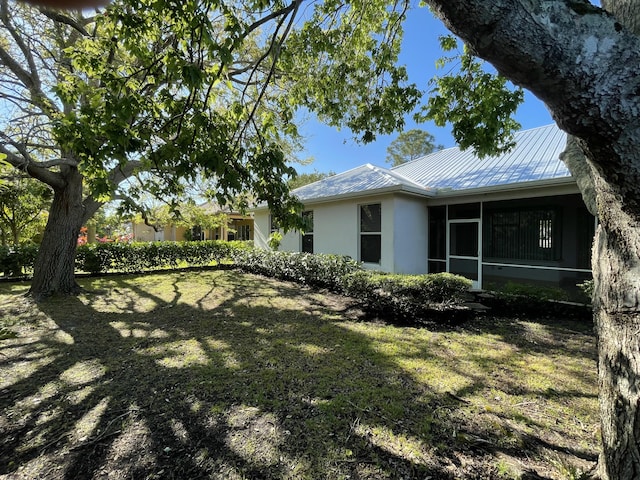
337 231
261 229
410 235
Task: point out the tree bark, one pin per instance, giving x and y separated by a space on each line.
55 264
583 63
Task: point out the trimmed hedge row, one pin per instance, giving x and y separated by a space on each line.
318 270
17 261
138 257
391 296
407 296
404 297
125 257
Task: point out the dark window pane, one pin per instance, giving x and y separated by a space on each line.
464 267
585 230
370 218
467 210
464 239
307 220
307 243
437 232
437 267
370 248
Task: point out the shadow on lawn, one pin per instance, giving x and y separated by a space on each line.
231 387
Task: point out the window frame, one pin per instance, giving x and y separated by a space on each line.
308 232
362 234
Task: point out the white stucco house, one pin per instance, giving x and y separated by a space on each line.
516 216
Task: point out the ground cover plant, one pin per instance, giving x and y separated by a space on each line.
218 374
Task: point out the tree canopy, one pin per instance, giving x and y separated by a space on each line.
410 145
302 179
143 94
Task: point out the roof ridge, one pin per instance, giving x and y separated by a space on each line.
394 175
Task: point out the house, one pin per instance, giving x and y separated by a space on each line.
516 217
238 226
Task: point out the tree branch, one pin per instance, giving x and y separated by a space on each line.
52 179
33 79
58 16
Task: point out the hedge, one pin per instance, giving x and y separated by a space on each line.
16 261
400 297
318 270
139 257
125 257
407 296
386 295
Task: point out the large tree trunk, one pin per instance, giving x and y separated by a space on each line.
584 65
616 264
54 267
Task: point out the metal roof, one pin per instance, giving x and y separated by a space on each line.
364 179
535 157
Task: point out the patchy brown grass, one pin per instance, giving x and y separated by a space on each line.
221 375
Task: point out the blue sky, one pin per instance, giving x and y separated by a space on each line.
337 151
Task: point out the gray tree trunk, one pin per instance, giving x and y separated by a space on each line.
54 266
585 65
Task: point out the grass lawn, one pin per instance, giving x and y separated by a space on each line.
222 375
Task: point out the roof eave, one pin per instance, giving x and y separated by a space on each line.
407 189
552 182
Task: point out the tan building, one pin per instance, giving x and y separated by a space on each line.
238 227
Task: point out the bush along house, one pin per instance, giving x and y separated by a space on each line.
515 217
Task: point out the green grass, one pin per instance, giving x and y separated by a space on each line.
217 374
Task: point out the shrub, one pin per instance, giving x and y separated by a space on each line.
587 287
138 257
320 270
16 261
516 299
406 296
539 292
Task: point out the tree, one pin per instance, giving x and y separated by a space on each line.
410 145
137 96
582 61
23 204
302 179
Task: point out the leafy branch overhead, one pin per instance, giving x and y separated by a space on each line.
478 104
174 88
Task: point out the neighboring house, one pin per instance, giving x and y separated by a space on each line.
512 217
239 227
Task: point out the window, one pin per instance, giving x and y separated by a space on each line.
523 234
242 233
437 239
370 233
197 233
307 236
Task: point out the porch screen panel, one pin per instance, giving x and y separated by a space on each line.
437 233
522 234
585 230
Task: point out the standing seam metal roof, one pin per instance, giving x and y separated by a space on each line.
536 156
360 179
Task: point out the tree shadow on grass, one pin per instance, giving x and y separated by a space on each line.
245 378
